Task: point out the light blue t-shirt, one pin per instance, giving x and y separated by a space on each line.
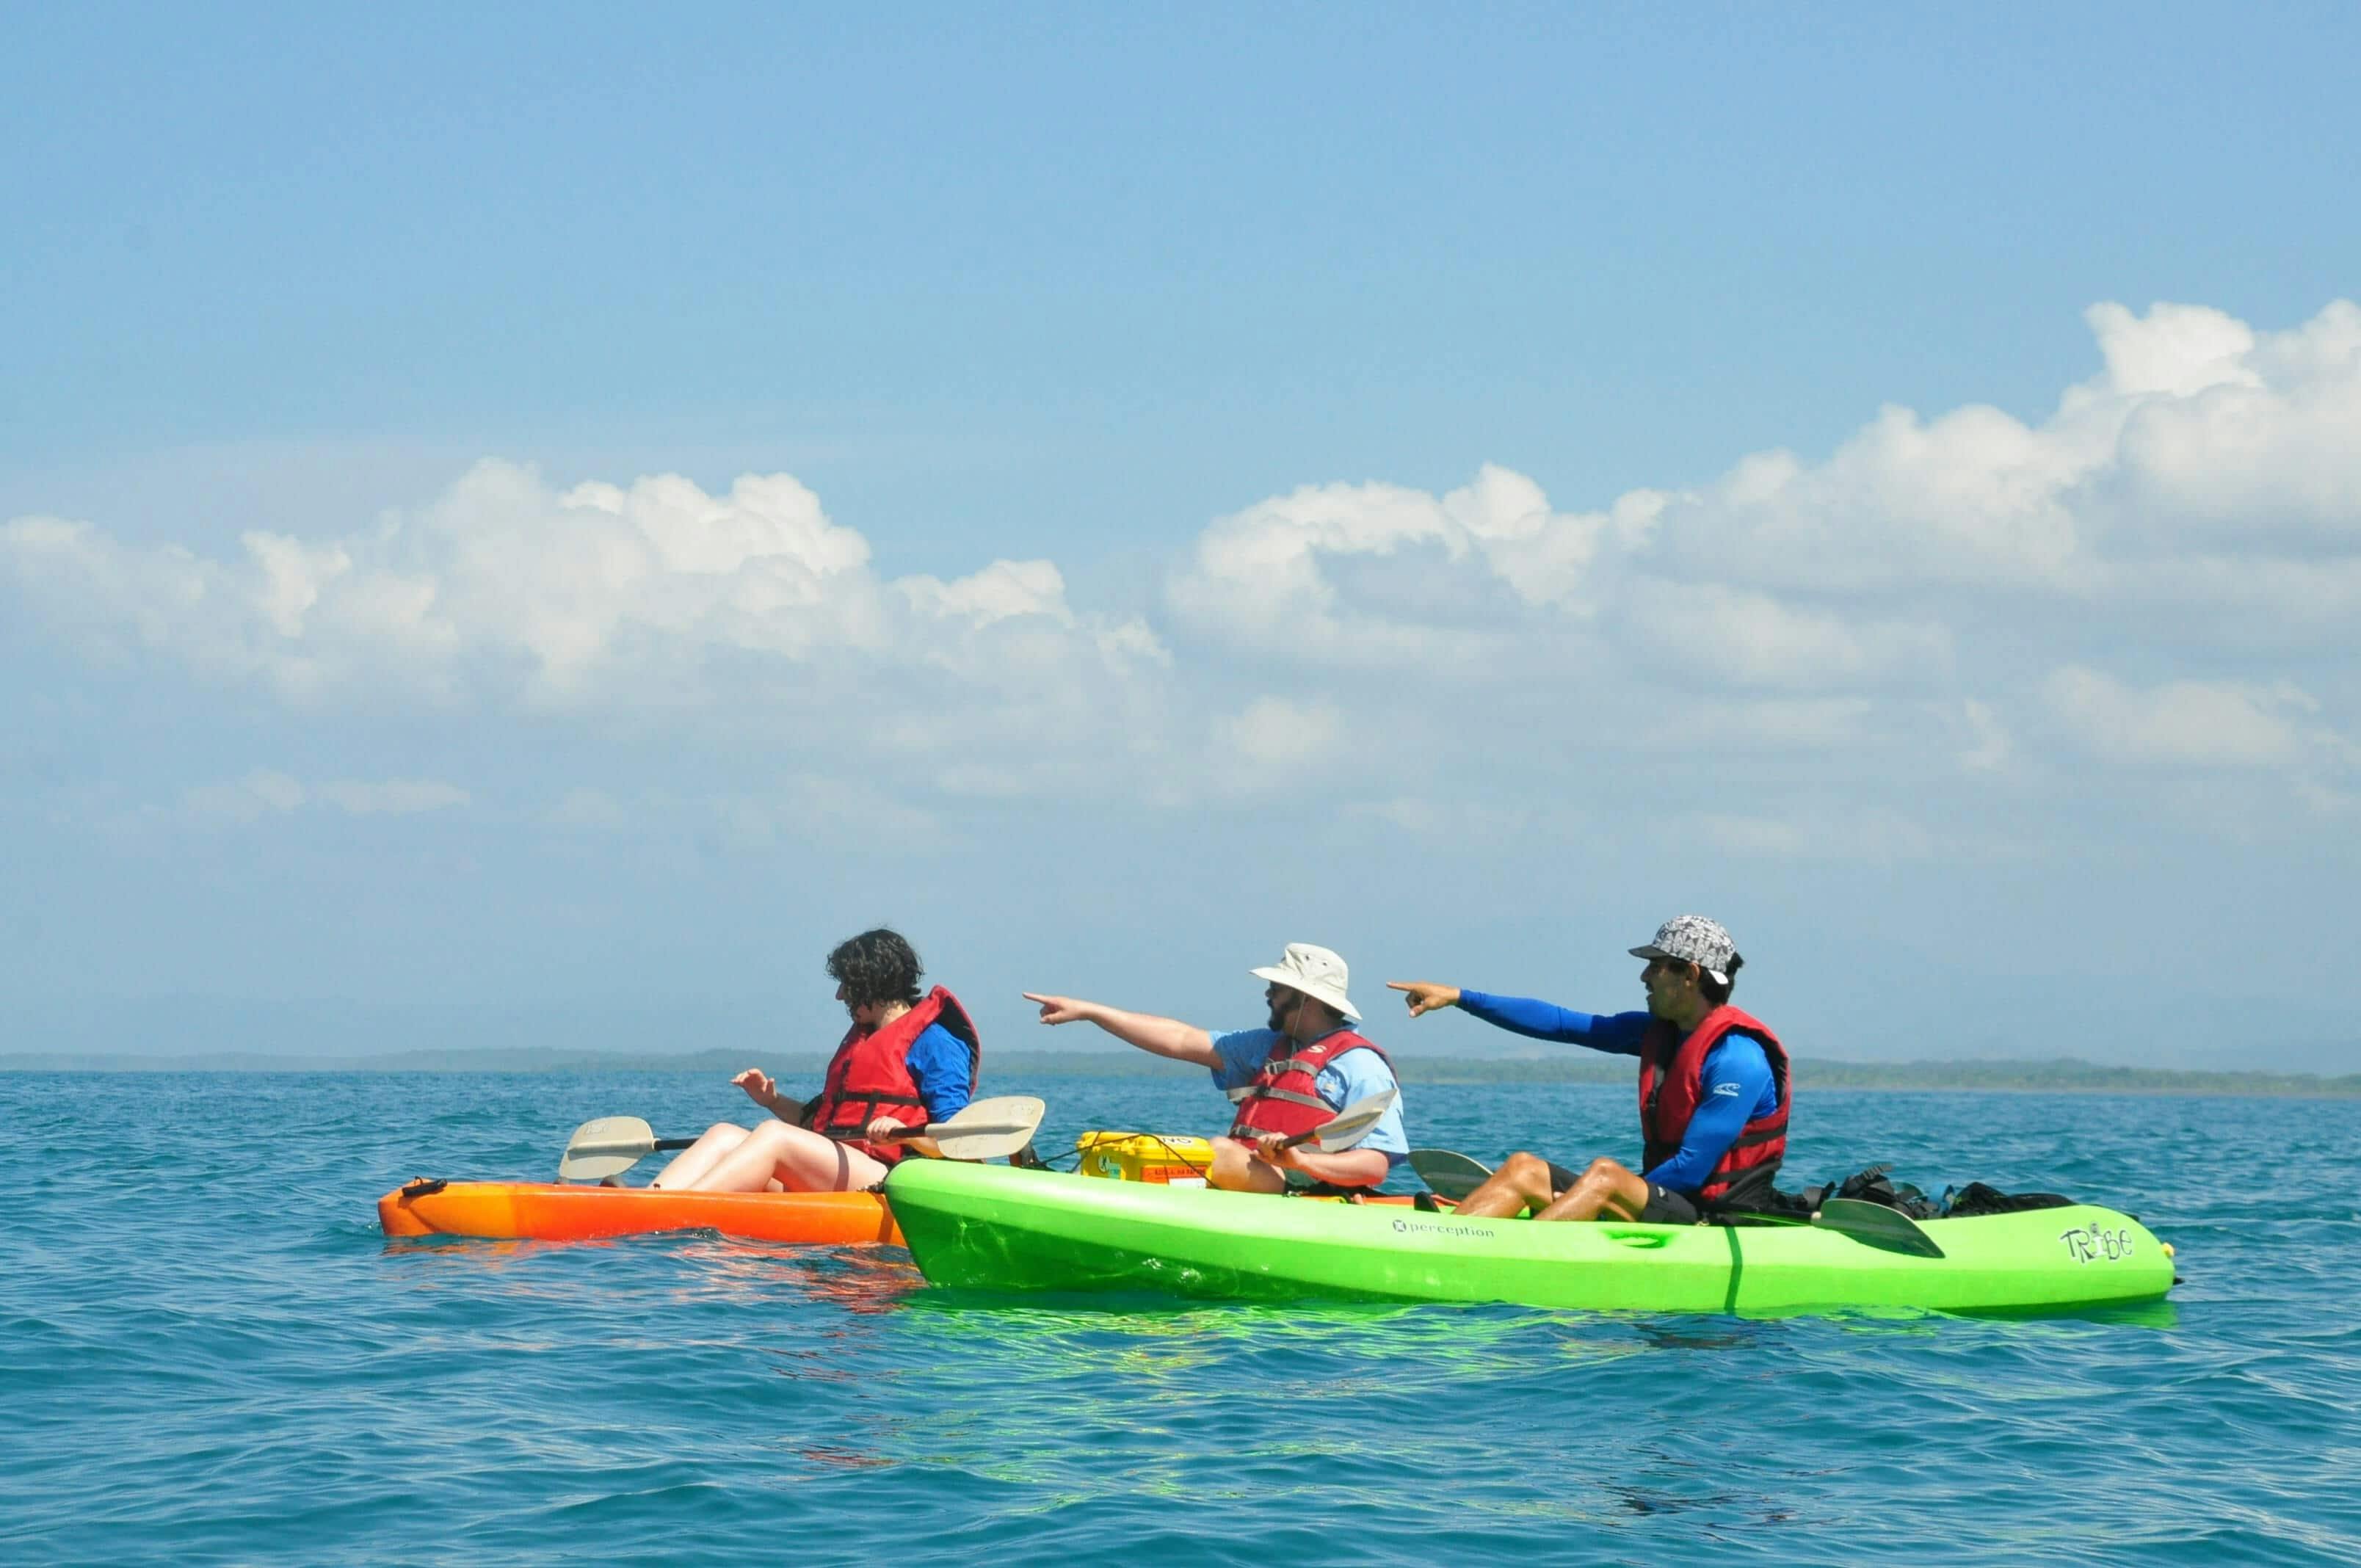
1352 1077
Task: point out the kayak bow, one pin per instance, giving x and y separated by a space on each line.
542 1210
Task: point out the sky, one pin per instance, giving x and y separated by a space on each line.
525 529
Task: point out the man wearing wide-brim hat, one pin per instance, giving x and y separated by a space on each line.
1288 1077
1713 1089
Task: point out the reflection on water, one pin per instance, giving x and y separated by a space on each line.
303 1390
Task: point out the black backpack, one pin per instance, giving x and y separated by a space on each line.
1975 1198
1871 1186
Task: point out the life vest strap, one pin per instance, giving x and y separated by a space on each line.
1239 1097
1295 1064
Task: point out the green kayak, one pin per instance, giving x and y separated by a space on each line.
997 1227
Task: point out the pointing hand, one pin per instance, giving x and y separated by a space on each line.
1425 996
1058 1009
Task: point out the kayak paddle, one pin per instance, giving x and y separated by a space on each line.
1872 1224
983 1129
610 1145
1449 1174
1348 1127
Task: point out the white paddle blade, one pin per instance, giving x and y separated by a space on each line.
1448 1173
607 1147
1354 1123
591 1167
987 1129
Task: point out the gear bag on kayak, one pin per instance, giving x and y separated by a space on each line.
1871 1185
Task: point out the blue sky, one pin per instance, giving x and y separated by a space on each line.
556 518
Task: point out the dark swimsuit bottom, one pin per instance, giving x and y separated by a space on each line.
1665 1207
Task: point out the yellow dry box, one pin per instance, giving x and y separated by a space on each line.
1145 1157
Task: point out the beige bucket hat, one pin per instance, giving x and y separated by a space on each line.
1315 971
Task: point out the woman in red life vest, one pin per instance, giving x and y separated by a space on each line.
907 1060
1713 1089
1290 1077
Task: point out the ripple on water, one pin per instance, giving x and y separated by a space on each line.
220 1359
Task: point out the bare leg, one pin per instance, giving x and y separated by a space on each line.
1607 1188
798 1158
1237 1169
1523 1182
700 1157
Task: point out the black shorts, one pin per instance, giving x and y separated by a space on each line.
1665 1207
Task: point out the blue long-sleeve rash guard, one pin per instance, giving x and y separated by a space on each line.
1735 1083
939 1063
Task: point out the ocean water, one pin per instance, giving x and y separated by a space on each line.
208 1353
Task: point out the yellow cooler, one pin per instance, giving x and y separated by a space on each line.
1145 1157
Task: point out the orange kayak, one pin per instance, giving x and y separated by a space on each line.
544 1211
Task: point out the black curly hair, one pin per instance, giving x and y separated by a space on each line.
1716 996
876 966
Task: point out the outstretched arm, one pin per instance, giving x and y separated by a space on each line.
1619 1033
1163 1036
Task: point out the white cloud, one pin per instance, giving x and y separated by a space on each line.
1972 497
1730 637
2197 427
2178 350
259 793
1864 620
505 592
1274 735
1269 578
2204 484
394 797
2198 723
265 791
1000 590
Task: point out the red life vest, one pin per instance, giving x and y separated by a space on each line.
869 1077
1285 1095
1672 1073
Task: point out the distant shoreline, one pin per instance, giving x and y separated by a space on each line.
2062 1076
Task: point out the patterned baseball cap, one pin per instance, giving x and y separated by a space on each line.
1694 939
